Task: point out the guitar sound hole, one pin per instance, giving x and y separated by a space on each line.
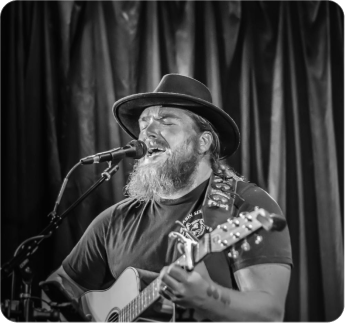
113 317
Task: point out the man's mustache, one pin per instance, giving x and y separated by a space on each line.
156 141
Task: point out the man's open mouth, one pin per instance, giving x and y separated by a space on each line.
155 151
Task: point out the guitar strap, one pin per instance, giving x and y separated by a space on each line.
222 201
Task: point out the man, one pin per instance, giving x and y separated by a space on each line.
186 135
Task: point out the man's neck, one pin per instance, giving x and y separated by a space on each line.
202 173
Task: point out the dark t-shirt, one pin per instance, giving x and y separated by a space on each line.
136 234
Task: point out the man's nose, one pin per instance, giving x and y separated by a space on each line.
151 131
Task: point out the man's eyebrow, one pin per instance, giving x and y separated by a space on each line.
161 115
165 114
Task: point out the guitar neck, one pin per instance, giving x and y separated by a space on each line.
151 293
141 303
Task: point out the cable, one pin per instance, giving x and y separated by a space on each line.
62 189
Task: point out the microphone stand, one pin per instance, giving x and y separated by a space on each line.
21 258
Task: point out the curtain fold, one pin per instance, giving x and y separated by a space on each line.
299 206
316 34
275 67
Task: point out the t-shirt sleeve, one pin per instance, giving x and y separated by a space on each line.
275 246
87 264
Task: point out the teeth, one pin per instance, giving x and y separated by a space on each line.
155 149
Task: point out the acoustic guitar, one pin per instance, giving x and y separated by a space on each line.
124 301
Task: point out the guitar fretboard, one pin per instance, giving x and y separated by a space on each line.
139 304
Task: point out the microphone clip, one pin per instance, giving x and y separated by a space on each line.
110 171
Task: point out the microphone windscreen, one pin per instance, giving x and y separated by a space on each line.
140 148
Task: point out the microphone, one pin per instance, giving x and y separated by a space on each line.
135 149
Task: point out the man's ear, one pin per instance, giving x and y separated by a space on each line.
205 142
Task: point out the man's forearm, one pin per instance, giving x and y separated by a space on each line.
223 304
71 289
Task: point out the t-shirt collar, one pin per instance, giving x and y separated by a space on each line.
191 196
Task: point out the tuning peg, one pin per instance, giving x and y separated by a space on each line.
243 215
245 245
258 239
233 253
224 243
248 227
236 223
223 227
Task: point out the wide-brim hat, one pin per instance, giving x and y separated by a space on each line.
181 92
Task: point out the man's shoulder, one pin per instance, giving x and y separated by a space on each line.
243 186
257 196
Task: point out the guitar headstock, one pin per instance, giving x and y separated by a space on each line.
237 229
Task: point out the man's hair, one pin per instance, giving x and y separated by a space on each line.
204 125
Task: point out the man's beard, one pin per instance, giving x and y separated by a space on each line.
154 180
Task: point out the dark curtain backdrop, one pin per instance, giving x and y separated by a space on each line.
275 67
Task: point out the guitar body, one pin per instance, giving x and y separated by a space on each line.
105 305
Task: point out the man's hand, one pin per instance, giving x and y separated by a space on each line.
262 294
188 289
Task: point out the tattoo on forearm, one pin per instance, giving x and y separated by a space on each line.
212 291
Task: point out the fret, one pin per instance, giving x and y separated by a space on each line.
153 289
155 284
150 296
130 312
144 292
135 306
133 309
124 316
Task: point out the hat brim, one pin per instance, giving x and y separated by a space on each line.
128 110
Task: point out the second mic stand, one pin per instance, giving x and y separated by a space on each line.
24 252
